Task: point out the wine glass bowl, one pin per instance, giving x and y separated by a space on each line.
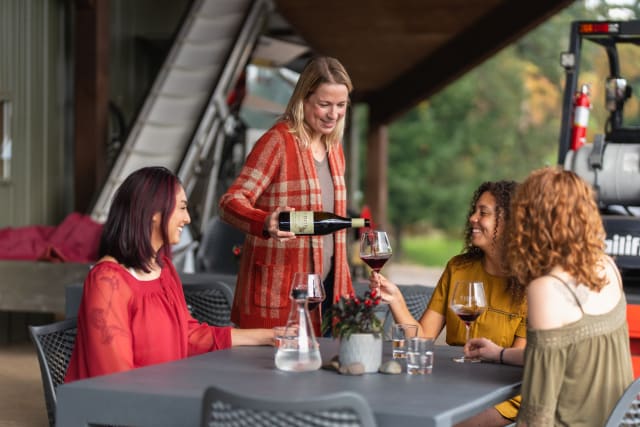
468 302
311 284
375 249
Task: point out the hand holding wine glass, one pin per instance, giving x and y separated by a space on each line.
375 249
468 301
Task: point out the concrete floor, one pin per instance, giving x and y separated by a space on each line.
21 396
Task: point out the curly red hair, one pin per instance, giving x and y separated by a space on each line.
555 222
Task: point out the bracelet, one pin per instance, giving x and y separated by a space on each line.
502 356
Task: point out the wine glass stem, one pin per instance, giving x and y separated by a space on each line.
466 326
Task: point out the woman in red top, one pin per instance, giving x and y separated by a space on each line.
133 312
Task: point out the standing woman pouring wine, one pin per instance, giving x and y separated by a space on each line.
298 165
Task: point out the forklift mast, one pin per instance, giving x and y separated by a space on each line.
611 161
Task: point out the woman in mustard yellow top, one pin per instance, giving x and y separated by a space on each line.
504 322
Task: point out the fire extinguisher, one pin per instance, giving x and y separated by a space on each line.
581 107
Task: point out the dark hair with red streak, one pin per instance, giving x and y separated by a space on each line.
126 234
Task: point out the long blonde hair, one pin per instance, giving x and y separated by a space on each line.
322 69
555 222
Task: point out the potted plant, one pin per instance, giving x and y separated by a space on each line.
353 321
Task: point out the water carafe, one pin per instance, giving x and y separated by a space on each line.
298 350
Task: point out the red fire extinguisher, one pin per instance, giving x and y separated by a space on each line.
581 107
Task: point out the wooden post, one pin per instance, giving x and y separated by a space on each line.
351 151
91 91
376 192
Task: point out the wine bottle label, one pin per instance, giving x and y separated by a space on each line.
357 222
301 222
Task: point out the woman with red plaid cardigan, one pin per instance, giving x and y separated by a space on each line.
283 172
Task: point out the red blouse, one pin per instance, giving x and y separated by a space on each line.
125 323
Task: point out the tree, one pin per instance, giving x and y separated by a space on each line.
499 121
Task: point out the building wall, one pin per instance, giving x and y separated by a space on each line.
32 81
36 80
141 33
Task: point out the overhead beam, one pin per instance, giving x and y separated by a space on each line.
497 29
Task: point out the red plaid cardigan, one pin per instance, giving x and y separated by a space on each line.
278 173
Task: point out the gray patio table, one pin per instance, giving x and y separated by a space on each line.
170 394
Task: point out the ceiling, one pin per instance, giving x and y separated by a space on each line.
400 52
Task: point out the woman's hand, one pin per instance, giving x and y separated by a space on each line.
386 289
483 348
260 336
271 226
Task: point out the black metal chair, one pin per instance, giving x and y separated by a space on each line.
54 344
209 302
343 409
417 297
627 410
215 252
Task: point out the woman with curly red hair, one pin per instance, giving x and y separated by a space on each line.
577 360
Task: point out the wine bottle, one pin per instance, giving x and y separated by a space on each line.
317 223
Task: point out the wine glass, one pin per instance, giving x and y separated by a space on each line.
468 302
312 284
375 249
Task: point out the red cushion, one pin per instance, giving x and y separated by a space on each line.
633 319
635 361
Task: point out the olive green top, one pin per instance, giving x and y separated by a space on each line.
574 375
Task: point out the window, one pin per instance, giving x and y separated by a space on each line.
5 139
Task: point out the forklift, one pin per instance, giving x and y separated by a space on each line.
611 161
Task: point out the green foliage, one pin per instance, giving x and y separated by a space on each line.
353 315
499 121
430 250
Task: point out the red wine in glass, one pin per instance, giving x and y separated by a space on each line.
468 302
375 249
313 302
466 315
376 262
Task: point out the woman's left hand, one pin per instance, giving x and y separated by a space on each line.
483 348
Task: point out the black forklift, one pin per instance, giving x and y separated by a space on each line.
610 162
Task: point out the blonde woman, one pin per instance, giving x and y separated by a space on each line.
297 164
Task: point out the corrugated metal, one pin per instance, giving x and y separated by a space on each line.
30 77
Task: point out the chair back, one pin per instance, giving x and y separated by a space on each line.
215 252
627 410
416 297
209 302
54 345
344 409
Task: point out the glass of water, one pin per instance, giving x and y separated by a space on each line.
419 356
400 333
